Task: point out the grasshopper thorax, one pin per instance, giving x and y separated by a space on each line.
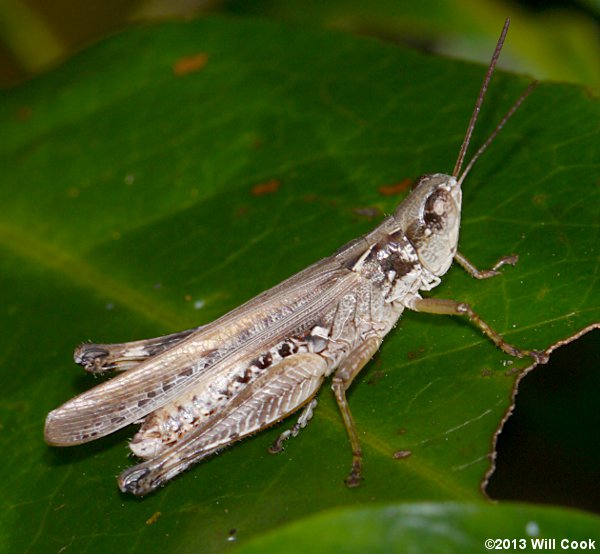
430 217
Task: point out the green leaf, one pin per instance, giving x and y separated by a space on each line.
434 527
128 211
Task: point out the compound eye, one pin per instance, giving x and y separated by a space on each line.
439 210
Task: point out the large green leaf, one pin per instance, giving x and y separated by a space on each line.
432 528
128 211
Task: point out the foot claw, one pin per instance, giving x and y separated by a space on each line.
540 356
508 260
275 448
353 481
355 477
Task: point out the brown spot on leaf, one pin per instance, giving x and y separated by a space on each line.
268 187
23 113
376 376
190 64
395 188
414 354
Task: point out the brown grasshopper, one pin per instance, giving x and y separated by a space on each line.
198 391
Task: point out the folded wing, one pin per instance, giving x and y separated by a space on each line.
238 335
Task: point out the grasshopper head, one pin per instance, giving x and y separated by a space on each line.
430 217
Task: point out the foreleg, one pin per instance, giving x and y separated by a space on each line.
473 271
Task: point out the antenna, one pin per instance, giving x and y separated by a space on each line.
482 91
495 132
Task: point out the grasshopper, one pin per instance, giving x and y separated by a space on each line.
198 391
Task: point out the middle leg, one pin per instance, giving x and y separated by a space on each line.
445 306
